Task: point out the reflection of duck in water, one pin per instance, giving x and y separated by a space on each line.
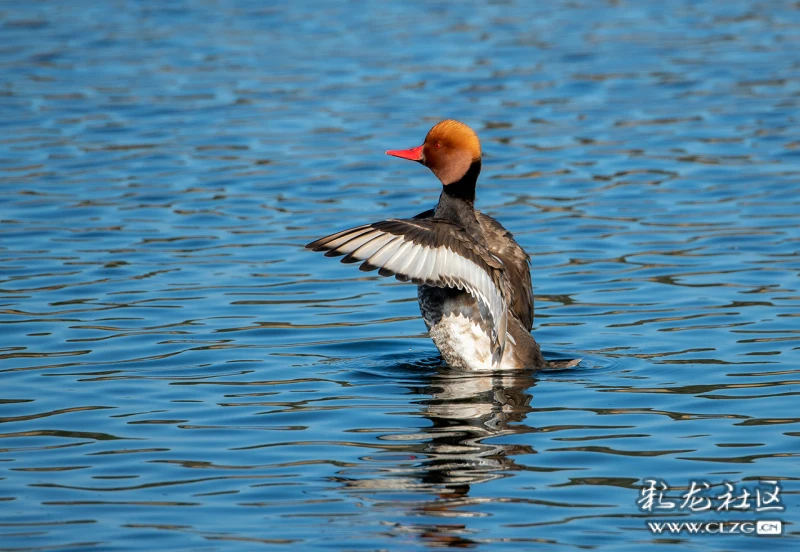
464 411
444 460
474 283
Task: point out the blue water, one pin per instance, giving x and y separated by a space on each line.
177 372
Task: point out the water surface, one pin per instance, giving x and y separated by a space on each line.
177 372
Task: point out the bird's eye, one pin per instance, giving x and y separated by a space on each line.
438 144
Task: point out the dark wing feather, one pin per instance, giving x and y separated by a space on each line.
431 252
425 214
502 244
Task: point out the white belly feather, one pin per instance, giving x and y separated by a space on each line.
463 336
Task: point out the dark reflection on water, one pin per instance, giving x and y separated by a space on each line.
177 372
454 453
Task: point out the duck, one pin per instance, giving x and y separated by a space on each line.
473 279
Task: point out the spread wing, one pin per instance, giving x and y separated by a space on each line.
429 252
501 244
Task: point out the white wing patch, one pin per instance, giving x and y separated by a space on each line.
434 266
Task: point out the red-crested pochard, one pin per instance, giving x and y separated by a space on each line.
474 284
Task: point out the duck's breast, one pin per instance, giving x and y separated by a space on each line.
460 332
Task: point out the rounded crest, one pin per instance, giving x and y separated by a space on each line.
456 135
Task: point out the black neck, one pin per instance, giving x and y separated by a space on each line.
465 187
457 202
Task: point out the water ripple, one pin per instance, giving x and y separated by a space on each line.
163 166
